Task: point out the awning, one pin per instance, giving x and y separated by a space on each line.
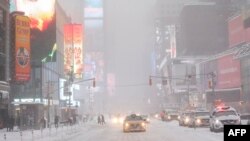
4 94
26 103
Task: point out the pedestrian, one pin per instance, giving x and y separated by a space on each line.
12 122
18 122
43 123
99 119
56 120
8 124
102 119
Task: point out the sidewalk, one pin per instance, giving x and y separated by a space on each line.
61 133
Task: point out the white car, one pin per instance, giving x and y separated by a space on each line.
221 116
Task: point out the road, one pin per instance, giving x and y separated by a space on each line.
156 131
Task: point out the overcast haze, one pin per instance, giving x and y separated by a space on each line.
128 41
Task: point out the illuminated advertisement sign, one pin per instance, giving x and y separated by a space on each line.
43 25
22 49
12 5
41 12
93 9
73 52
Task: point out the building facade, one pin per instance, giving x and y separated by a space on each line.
4 62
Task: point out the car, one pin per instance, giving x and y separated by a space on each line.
245 119
133 123
170 114
199 119
184 118
223 115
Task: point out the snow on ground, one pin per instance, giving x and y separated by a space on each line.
91 131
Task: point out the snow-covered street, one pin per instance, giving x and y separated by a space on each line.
156 131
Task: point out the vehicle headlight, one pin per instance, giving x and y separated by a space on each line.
179 117
120 120
156 116
143 124
126 125
114 120
187 120
169 117
147 120
198 121
217 121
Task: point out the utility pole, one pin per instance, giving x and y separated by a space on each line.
188 88
71 80
48 100
213 76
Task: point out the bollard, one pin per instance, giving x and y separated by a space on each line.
49 130
21 135
5 137
41 132
32 137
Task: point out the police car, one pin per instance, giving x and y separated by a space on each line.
223 115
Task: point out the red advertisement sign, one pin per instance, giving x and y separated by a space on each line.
73 55
22 49
68 49
236 31
228 75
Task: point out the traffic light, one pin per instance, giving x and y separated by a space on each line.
150 81
94 82
210 84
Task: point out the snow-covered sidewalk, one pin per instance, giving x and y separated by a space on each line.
62 133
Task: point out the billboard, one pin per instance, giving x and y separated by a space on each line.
236 31
22 49
43 26
93 9
73 52
228 72
206 34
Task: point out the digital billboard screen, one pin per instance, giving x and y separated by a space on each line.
43 26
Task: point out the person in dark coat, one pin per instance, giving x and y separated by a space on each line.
56 121
11 124
102 119
8 124
43 122
18 122
99 119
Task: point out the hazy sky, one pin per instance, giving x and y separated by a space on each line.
74 9
128 36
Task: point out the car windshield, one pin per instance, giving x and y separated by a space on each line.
131 118
224 113
201 113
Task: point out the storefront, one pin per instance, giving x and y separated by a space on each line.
28 113
4 103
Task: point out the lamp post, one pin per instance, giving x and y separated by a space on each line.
188 88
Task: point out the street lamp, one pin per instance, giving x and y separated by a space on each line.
188 88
